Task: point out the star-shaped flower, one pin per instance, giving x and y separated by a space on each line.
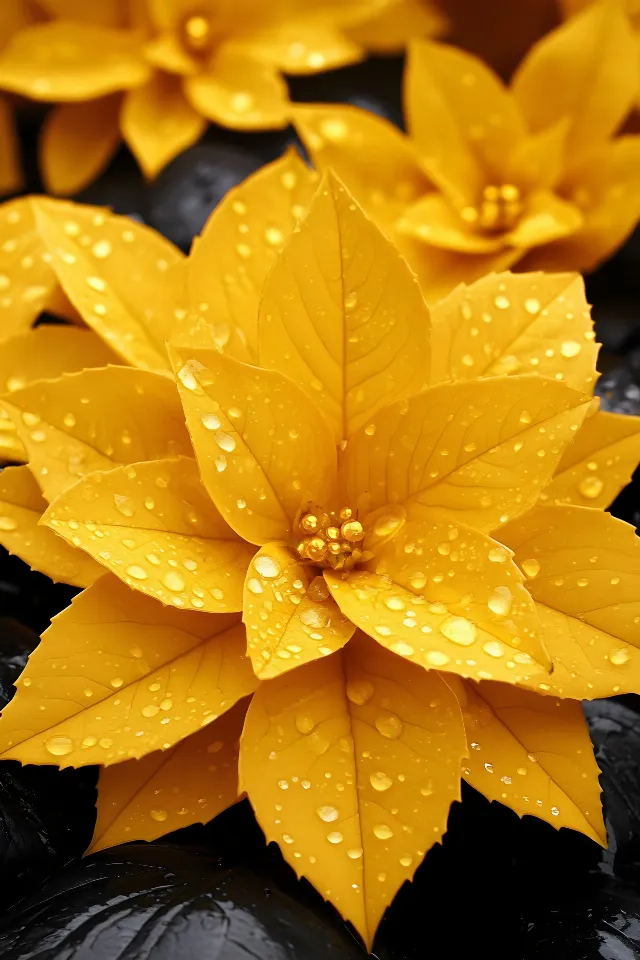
373 525
155 73
493 176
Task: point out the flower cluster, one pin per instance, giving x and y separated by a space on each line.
375 560
155 72
492 176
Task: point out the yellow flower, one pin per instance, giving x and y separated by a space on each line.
155 72
492 176
13 17
380 529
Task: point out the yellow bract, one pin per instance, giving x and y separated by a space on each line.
289 614
119 676
262 446
533 754
479 451
153 525
21 506
584 575
352 772
168 789
344 319
68 430
118 274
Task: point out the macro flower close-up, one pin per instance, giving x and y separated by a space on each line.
374 561
156 72
490 176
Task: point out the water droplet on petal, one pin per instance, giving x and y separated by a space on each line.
327 813
382 831
158 815
267 566
59 746
380 781
389 725
359 691
459 630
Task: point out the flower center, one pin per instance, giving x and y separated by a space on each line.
197 34
330 539
500 208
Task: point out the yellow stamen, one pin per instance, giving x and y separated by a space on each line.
331 545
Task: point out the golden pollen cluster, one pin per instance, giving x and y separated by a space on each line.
330 540
197 33
499 208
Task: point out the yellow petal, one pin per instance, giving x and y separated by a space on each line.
47 352
11 448
239 92
587 70
10 175
480 451
342 315
26 278
389 26
288 613
533 754
546 218
153 525
262 447
433 220
598 464
94 420
117 273
360 716
21 506
606 185
445 597
378 164
463 119
119 675
584 574
78 141
243 237
301 47
167 53
546 328
67 60
538 160
158 122
168 789
106 13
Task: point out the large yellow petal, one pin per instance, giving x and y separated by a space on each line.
606 185
433 220
117 273
238 91
478 451
153 525
94 420
49 351
158 122
533 754
11 448
117 676
444 597
21 506
389 26
243 237
26 278
301 46
78 141
587 70
352 774
584 574
378 164
289 614
168 789
263 449
598 464
10 174
106 13
515 323
67 60
463 119
537 162
342 315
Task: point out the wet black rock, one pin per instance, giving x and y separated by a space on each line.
374 85
153 902
30 597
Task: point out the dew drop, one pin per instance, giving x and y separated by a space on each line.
226 442
619 657
327 813
494 648
124 505
500 601
531 568
138 573
590 487
210 422
8 523
382 831
267 566
173 581
359 691
402 649
570 348
389 725
355 853
158 814
304 723
335 837
459 630
59 746
380 781
435 658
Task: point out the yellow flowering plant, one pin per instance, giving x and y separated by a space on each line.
349 547
492 176
155 72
